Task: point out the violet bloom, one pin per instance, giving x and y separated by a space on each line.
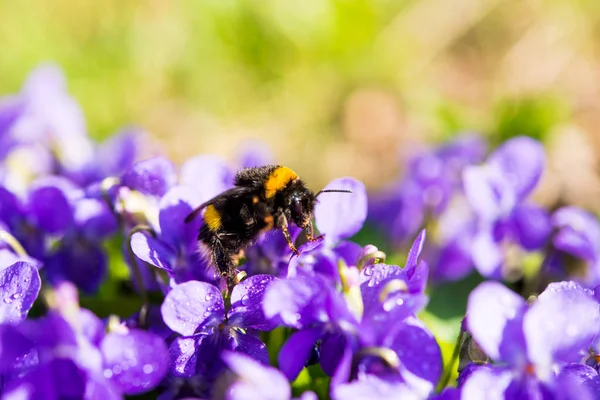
528 343
78 224
70 345
338 217
432 180
253 380
578 235
360 328
43 132
174 246
196 311
497 192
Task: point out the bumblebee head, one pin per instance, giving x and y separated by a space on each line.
300 202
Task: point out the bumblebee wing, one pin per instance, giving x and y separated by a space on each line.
233 192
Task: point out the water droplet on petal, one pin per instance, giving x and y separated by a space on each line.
245 299
148 368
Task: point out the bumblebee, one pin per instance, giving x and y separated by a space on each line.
262 199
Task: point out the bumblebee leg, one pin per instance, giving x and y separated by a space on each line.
282 224
224 262
310 232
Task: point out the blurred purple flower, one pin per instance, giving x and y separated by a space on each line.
497 192
432 179
70 345
254 380
578 235
528 342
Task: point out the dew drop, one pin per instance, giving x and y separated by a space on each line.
108 373
117 369
245 299
148 368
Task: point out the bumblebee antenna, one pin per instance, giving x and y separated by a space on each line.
333 191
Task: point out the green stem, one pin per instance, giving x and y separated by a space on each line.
13 243
449 367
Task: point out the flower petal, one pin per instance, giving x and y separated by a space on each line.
20 285
152 250
290 300
256 381
183 356
332 350
13 346
254 154
50 209
83 263
487 255
487 383
251 346
419 353
192 306
246 303
135 361
94 219
532 225
119 151
153 176
521 160
175 206
415 250
579 233
491 309
341 215
296 351
373 387
209 175
479 191
560 324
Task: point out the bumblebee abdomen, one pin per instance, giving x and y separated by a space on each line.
212 218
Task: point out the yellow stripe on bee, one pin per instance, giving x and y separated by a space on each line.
278 180
212 218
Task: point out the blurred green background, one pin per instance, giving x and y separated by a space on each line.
335 87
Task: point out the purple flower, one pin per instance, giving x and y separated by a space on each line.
374 387
196 311
370 318
43 132
254 380
62 211
70 345
173 244
578 234
433 179
497 192
338 217
528 342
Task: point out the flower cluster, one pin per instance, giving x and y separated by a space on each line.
336 321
